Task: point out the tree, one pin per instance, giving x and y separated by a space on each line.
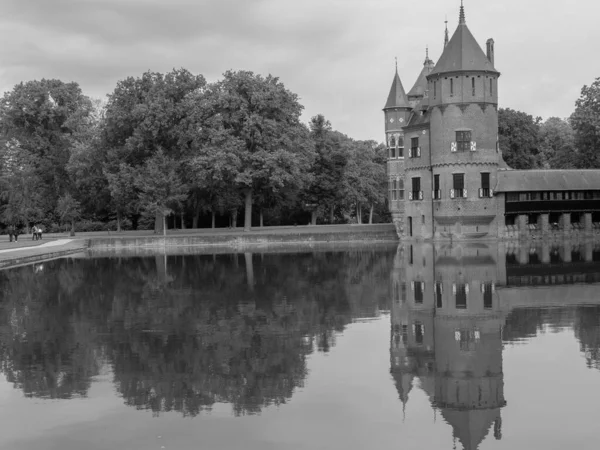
327 170
147 113
557 144
122 191
44 117
68 210
585 120
160 186
365 176
519 139
86 164
255 125
19 185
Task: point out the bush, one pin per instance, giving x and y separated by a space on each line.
125 225
89 225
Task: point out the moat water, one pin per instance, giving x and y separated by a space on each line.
410 347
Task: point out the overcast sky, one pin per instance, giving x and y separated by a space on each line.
337 55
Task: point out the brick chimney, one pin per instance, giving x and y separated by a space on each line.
490 50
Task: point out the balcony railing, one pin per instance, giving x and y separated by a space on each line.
486 193
414 152
458 193
415 195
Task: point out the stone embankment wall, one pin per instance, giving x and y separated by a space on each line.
375 234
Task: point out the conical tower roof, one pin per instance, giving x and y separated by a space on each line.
397 97
420 85
463 53
471 426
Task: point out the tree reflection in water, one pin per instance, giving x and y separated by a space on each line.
181 333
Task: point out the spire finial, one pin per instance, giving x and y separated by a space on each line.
396 58
446 33
427 51
461 17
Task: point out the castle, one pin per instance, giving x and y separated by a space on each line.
447 178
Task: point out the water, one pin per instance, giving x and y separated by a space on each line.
471 346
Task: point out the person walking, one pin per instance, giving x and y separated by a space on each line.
34 233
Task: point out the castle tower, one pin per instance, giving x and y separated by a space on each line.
419 89
464 157
396 112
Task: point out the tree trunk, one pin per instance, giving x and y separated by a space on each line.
371 215
72 228
213 220
159 223
247 209
261 217
164 224
313 217
331 216
234 219
196 217
118 221
358 213
249 271
182 221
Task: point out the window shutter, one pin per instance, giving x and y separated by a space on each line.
412 285
457 335
451 193
418 152
480 192
491 192
473 146
420 195
493 288
453 147
453 289
467 289
482 288
410 195
464 193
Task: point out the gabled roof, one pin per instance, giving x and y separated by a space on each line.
548 180
463 53
418 90
397 97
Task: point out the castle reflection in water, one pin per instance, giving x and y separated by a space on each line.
449 311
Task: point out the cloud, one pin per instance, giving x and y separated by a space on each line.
337 55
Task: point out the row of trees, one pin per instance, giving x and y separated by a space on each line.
173 143
572 143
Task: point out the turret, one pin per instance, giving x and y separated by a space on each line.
396 112
419 89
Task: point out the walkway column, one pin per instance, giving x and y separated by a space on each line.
545 253
567 249
523 254
543 223
587 223
565 222
589 252
522 225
